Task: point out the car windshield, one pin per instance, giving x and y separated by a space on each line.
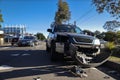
68 28
29 37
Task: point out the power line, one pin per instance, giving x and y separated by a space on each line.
85 14
88 18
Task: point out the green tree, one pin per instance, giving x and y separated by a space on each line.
97 33
118 36
88 32
111 6
1 19
110 36
101 35
63 13
40 36
111 25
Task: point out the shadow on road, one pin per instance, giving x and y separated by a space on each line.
35 71
29 63
24 58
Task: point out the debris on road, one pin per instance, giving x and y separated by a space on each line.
78 71
38 78
106 77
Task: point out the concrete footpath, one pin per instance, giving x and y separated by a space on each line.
5 46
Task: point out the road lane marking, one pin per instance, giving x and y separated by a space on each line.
25 54
4 48
15 54
3 67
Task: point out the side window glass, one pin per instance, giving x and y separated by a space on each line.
55 29
77 30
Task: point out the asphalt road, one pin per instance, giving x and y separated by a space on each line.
28 63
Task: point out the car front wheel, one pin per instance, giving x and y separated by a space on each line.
53 52
32 44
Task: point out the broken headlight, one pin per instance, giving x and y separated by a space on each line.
96 42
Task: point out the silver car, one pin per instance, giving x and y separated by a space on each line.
28 41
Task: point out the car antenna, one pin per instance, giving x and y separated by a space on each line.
74 22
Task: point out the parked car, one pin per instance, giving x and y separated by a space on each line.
69 40
14 41
28 41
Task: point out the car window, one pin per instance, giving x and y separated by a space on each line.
67 28
78 30
29 37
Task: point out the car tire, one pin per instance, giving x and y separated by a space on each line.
47 48
12 44
19 45
32 44
53 54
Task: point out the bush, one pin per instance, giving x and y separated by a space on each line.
110 36
110 45
116 52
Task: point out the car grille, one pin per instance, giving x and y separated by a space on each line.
83 40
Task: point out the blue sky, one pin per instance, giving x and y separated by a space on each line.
37 15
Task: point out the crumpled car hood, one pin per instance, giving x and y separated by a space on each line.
78 37
75 35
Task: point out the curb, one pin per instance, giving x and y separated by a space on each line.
113 65
4 45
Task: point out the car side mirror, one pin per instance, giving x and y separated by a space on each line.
49 30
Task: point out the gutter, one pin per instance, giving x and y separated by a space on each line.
113 65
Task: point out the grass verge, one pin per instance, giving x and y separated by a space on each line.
115 59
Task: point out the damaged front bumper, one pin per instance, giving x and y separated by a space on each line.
85 55
70 48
